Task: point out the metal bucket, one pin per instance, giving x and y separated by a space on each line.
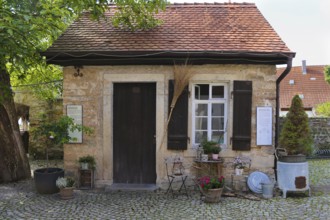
267 190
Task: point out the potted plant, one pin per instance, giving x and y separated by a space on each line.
295 136
209 148
54 133
215 152
87 162
211 188
239 165
66 186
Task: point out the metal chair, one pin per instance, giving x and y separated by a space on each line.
175 171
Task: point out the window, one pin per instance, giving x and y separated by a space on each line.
209 113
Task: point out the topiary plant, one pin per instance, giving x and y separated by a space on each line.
295 135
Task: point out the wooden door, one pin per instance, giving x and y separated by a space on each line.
134 129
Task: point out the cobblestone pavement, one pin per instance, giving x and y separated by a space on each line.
20 201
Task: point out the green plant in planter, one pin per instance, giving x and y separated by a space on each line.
215 149
295 135
66 185
65 182
54 132
57 132
90 160
210 147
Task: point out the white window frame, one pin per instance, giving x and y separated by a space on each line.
209 102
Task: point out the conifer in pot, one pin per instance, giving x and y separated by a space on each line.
295 136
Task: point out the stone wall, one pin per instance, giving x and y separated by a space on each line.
38 106
94 91
321 134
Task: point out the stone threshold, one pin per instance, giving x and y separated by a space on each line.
131 187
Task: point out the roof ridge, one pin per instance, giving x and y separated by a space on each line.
214 4
211 3
293 67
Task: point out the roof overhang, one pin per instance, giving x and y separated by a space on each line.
165 57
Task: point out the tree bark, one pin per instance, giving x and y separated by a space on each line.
14 164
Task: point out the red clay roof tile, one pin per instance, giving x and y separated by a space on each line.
186 27
312 85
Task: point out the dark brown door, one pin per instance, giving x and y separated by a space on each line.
134 129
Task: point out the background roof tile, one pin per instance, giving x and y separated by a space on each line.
312 85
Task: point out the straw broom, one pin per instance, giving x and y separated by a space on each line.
182 76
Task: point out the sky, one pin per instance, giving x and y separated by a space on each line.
304 25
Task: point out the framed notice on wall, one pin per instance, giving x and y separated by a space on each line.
75 112
264 126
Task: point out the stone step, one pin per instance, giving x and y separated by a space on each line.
131 187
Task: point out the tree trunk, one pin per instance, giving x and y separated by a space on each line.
14 164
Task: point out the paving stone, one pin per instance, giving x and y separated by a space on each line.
20 201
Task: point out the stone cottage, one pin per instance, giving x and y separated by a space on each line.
124 82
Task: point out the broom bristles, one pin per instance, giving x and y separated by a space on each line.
182 76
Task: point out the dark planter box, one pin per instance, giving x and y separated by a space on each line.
45 180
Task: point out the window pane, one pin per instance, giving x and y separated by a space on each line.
202 92
218 124
217 136
201 123
201 110
218 92
218 109
200 136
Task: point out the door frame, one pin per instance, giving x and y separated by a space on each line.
139 76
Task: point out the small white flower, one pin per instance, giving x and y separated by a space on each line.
61 182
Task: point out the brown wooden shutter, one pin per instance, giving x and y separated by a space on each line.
178 126
241 139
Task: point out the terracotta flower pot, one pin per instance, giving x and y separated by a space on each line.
213 195
66 193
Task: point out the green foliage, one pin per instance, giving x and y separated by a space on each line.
27 27
138 14
327 74
45 81
30 26
63 182
56 132
210 147
323 109
215 149
70 182
88 159
295 135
